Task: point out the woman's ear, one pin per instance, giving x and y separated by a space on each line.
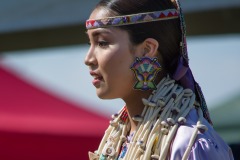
148 48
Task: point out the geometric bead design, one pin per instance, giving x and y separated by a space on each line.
132 19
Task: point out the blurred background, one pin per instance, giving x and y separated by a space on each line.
48 106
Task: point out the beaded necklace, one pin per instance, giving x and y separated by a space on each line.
165 110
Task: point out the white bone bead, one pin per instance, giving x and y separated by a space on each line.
137 118
145 101
175 110
161 103
123 138
152 104
114 116
164 131
182 120
154 157
202 128
170 121
164 123
188 91
114 124
110 151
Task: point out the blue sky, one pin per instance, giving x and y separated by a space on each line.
29 14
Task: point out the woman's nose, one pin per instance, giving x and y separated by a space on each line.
90 58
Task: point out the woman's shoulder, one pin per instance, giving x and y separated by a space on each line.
208 145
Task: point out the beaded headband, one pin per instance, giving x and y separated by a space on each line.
132 19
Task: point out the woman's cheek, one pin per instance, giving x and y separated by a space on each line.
111 58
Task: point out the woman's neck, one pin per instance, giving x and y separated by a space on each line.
135 106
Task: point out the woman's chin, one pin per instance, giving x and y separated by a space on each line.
104 95
101 94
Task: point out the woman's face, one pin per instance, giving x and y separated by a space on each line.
109 59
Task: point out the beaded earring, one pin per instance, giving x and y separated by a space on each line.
145 70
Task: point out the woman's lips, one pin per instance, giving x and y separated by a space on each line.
96 81
97 78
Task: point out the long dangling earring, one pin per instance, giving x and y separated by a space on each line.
145 70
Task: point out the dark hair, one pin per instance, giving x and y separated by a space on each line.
166 32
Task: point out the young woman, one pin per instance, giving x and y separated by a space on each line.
138 53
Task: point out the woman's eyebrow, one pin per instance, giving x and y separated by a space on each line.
98 32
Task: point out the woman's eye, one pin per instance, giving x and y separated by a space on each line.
103 44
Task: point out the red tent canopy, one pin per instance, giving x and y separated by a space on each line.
35 125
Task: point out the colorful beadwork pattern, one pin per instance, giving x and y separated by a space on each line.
124 115
203 104
183 44
184 54
132 19
145 70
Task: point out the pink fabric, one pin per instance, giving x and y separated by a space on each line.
35 125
